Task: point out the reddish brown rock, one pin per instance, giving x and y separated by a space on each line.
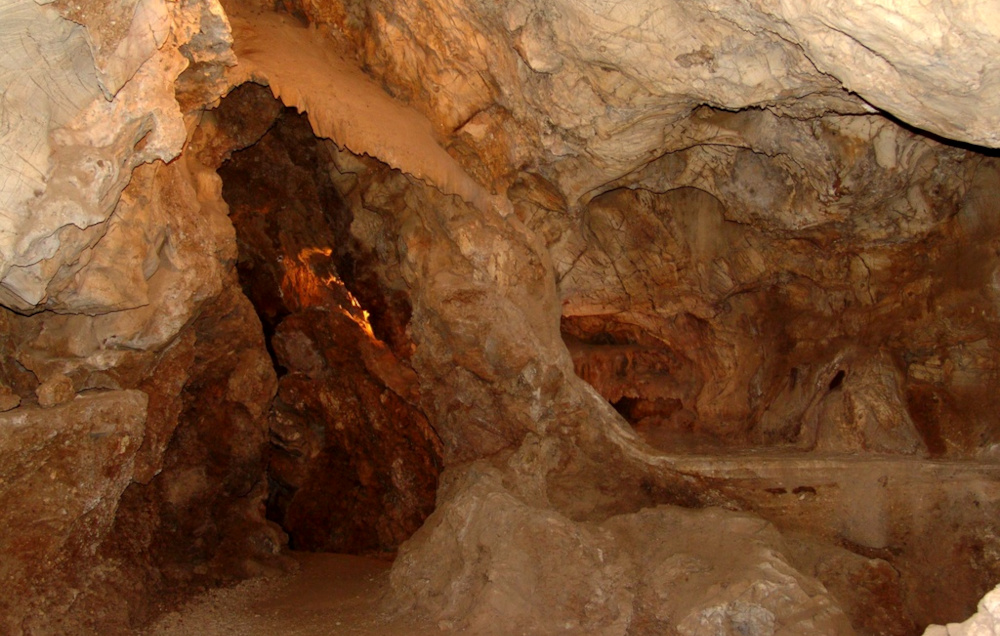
353 463
8 399
62 471
197 515
195 348
55 390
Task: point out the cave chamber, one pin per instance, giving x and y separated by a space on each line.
674 318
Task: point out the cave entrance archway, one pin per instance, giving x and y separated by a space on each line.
353 462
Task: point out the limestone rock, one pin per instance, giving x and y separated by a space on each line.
192 343
490 563
57 389
195 512
310 73
598 88
870 590
8 399
343 425
62 471
347 417
240 120
668 297
985 622
701 197
88 102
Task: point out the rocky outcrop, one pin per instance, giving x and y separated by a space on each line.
195 473
595 89
90 98
62 474
125 265
309 72
352 462
689 572
765 331
199 518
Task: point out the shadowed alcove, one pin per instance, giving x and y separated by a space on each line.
352 460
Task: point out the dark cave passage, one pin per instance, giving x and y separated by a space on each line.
352 460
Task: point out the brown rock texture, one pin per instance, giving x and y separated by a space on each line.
147 309
353 462
652 283
63 470
200 519
697 310
191 507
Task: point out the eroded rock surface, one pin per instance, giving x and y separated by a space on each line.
89 97
678 298
689 572
353 462
138 261
697 207
595 88
63 470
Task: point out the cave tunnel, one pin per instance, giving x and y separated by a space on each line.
499 318
352 461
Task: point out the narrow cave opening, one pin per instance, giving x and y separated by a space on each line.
837 380
352 462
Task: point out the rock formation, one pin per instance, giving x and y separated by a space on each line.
984 621
685 314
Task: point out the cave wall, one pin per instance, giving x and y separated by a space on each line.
130 345
728 212
767 323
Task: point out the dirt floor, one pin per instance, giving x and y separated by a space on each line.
330 594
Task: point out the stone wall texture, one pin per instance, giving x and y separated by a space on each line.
550 254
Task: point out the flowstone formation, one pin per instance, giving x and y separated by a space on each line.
673 317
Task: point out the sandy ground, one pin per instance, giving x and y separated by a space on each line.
330 594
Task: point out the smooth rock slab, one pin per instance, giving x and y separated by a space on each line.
488 562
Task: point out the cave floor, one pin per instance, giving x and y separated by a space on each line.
329 594
924 515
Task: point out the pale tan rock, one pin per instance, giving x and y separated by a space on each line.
77 131
487 562
922 62
316 76
55 390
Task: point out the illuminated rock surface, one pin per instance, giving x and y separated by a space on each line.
633 281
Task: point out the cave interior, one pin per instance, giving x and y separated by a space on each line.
558 317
